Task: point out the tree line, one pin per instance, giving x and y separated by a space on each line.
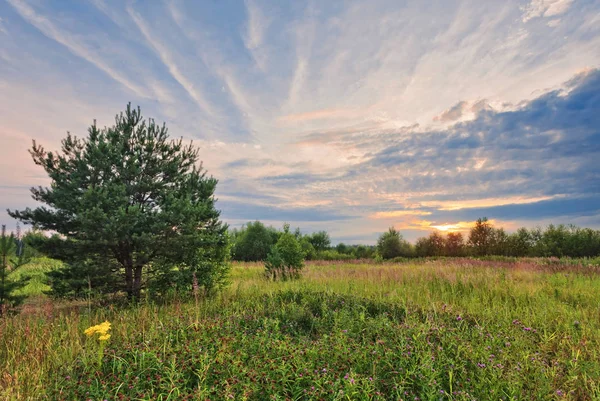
253 242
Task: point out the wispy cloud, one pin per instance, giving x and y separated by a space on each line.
167 58
545 8
256 29
74 45
2 28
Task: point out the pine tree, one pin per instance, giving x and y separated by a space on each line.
130 194
12 256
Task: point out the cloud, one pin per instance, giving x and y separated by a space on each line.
486 202
257 26
399 213
74 45
545 8
166 57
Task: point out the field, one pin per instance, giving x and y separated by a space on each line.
437 330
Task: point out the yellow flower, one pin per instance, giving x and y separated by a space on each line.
104 337
101 329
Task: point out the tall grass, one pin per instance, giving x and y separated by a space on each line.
434 330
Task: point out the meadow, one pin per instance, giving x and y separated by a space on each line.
457 329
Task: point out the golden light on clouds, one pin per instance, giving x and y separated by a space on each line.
486 202
399 213
460 226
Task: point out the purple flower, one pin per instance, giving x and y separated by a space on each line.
481 365
559 393
527 328
458 318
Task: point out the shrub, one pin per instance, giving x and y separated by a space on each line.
286 259
391 244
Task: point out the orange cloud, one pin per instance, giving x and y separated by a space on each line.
460 226
486 202
398 213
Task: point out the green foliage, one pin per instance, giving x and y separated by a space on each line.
211 268
434 245
286 259
332 254
481 237
363 252
128 193
454 244
12 257
85 278
342 248
253 242
391 244
35 272
308 249
320 240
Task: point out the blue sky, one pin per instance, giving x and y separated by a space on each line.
348 116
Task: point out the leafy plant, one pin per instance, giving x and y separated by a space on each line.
286 259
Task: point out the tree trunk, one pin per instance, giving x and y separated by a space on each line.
137 282
129 281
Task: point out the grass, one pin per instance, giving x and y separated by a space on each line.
449 330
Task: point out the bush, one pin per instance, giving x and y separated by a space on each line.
286 259
391 244
253 242
333 255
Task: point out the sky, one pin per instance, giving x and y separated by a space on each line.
345 116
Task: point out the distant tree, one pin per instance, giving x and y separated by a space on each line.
131 194
520 243
433 245
391 245
286 259
554 240
12 256
363 252
481 237
437 243
422 247
253 242
309 250
499 242
320 240
342 248
454 244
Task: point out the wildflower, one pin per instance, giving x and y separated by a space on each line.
459 318
103 336
560 393
101 329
